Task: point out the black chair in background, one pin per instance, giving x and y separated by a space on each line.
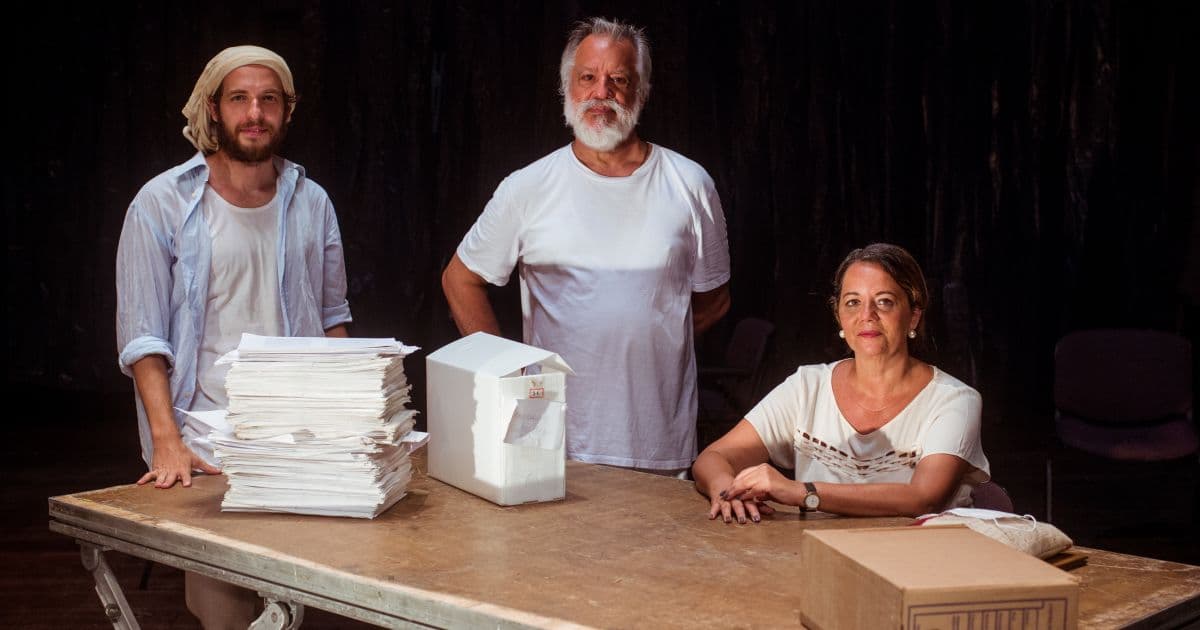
990 495
1123 394
728 390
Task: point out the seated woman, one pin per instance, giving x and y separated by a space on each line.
878 434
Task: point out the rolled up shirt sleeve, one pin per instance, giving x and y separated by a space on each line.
335 308
142 347
144 285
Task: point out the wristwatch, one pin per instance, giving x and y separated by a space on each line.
812 500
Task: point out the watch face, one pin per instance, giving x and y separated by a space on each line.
811 501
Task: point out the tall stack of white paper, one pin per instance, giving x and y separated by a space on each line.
320 426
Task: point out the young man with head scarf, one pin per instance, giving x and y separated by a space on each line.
236 239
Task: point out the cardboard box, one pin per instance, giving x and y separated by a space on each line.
928 578
497 419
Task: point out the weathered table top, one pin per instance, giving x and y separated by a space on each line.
623 549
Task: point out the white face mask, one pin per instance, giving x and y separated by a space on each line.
1001 519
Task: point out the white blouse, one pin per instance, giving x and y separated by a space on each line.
803 428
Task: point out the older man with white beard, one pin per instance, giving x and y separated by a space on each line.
623 258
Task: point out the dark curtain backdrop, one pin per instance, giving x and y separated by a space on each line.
1039 159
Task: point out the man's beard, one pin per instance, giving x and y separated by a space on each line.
228 142
601 135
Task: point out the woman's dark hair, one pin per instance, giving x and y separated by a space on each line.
900 265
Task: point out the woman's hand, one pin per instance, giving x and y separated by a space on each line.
745 496
739 449
741 510
761 483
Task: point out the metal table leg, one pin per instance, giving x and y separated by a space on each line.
279 615
116 608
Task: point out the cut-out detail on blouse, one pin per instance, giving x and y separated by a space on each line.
865 469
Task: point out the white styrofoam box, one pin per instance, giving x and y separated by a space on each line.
497 419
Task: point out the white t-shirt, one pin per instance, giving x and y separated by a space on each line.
608 267
803 428
243 296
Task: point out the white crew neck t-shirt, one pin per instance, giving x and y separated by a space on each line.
608 266
243 294
803 428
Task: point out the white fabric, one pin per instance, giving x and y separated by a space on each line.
608 267
1019 532
803 428
243 291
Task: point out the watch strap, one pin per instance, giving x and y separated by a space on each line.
811 489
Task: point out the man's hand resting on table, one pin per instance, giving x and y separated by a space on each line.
175 462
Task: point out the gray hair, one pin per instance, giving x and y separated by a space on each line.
617 31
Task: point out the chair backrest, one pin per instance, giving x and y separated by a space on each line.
989 495
748 343
747 348
1120 376
744 356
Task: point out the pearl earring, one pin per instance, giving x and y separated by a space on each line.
912 334
842 334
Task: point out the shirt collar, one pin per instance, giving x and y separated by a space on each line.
287 169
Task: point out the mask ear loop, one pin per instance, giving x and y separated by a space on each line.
1028 518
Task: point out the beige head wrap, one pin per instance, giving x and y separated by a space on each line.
199 130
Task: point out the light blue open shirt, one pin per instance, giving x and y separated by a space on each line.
163 263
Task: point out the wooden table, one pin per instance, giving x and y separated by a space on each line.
623 549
